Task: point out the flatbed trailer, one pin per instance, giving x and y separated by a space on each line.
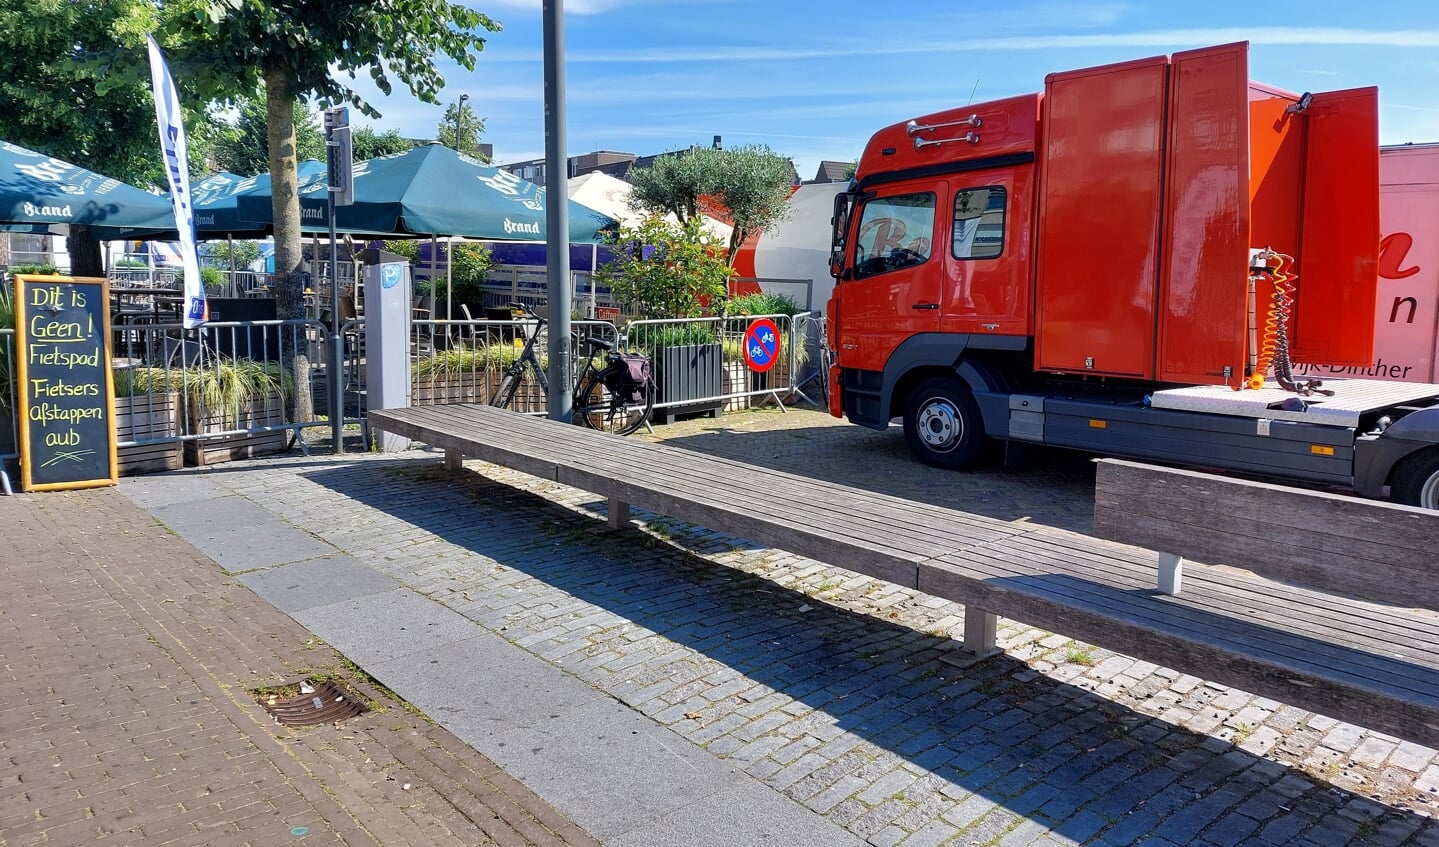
1332 440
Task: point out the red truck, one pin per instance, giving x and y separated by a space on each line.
1127 264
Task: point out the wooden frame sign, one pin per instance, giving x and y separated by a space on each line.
66 391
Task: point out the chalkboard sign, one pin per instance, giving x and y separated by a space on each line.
67 399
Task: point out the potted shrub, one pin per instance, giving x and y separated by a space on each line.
470 375
667 271
227 395
148 412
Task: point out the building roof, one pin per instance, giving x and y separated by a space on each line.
832 171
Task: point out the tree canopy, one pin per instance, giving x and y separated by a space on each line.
470 130
55 99
227 49
753 183
369 144
243 146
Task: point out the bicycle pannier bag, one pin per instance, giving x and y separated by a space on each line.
632 375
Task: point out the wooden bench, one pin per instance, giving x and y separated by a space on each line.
1376 563
1227 626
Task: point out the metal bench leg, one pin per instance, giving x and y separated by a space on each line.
979 631
453 459
619 514
1171 573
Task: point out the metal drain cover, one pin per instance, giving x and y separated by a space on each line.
330 701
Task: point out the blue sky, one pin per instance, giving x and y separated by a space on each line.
812 80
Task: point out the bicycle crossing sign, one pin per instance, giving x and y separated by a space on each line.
761 345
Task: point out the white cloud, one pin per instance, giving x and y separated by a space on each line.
1155 39
590 7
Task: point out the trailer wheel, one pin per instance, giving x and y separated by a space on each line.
942 424
1416 480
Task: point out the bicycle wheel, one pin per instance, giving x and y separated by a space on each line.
505 393
597 408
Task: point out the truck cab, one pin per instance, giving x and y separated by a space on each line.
1041 268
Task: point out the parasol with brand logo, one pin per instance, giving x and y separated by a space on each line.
432 190
44 194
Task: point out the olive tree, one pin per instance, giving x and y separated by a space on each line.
228 49
753 183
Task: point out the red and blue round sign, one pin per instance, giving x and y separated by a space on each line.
761 345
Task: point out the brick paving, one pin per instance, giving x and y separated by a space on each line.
849 695
127 716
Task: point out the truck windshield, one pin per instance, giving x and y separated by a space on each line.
894 232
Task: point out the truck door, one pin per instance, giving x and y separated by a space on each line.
987 254
1339 238
892 286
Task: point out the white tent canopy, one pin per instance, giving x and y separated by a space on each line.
610 196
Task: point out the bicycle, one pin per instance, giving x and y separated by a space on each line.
615 398
825 357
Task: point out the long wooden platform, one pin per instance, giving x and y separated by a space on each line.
1373 665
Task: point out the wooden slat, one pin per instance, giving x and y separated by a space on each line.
1351 659
1379 551
1323 691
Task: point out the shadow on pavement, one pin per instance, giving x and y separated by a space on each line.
900 718
1052 487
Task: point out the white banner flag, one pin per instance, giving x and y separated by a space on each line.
177 166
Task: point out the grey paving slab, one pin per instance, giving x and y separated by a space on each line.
154 492
239 534
380 627
610 769
484 686
239 549
317 582
204 515
744 813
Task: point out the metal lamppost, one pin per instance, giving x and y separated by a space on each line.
459 114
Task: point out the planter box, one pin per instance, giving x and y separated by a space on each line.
439 390
736 380
210 449
688 378
442 389
149 417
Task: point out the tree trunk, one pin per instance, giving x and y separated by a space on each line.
4 249
288 285
85 258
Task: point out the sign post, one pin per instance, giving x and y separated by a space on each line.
340 174
66 392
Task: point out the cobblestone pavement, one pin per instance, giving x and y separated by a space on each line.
850 695
127 666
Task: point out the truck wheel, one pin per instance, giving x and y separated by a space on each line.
1416 480
942 424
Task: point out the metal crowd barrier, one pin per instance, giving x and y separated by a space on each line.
9 414
462 361
178 393
700 363
226 388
